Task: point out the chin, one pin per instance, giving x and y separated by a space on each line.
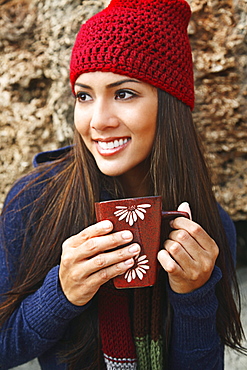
111 173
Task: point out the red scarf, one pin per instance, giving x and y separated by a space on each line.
131 333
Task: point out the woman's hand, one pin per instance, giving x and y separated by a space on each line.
188 256
84 264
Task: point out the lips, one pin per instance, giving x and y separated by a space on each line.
110 147
112 144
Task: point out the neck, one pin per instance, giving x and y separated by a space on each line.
135 184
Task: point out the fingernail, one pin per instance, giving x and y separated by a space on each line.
134 248
129 262
185 207
106 225
127 235
171 223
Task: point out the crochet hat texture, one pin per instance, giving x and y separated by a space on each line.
143 39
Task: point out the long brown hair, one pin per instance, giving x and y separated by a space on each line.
178 172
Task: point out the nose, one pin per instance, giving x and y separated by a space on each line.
103 116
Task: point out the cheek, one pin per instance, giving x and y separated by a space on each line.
149 115
76 118
79 121
149 135
148 127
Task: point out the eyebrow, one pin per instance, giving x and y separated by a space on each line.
114 84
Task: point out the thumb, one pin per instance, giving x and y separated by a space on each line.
185 207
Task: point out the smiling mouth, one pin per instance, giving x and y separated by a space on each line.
111 147
108 145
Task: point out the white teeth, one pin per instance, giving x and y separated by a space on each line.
112 144
103 144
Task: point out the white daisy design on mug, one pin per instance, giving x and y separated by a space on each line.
139 270
131 213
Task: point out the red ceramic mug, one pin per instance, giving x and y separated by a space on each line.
142 216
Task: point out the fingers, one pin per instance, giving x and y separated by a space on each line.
91 258
114 265
94 240
80 291
98 229
121 259
168 263
178 279
181 244
189 255
191 235
179 254
104 243
80 281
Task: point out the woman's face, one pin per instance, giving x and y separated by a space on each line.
116 118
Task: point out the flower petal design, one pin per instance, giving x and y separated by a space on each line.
131 220
142 210
126 274
140 214
128 217
128 277
142 270
144 206
134 216
131 213
123 215
139 270
144 267
139 274
143 262
120 212
142 258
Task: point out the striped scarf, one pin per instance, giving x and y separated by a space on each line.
130 324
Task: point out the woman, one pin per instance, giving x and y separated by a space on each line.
132 76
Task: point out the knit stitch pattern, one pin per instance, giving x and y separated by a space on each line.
115 328
131 327
143 39
143 352
113 363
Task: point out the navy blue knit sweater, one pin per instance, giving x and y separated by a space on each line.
37 326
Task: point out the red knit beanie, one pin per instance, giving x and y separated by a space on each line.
144 39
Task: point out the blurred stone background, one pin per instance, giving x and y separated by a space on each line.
36 104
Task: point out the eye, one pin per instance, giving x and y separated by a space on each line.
83 97
124 95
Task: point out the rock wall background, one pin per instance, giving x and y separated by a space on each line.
36 105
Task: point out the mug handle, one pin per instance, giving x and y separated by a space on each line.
170 215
